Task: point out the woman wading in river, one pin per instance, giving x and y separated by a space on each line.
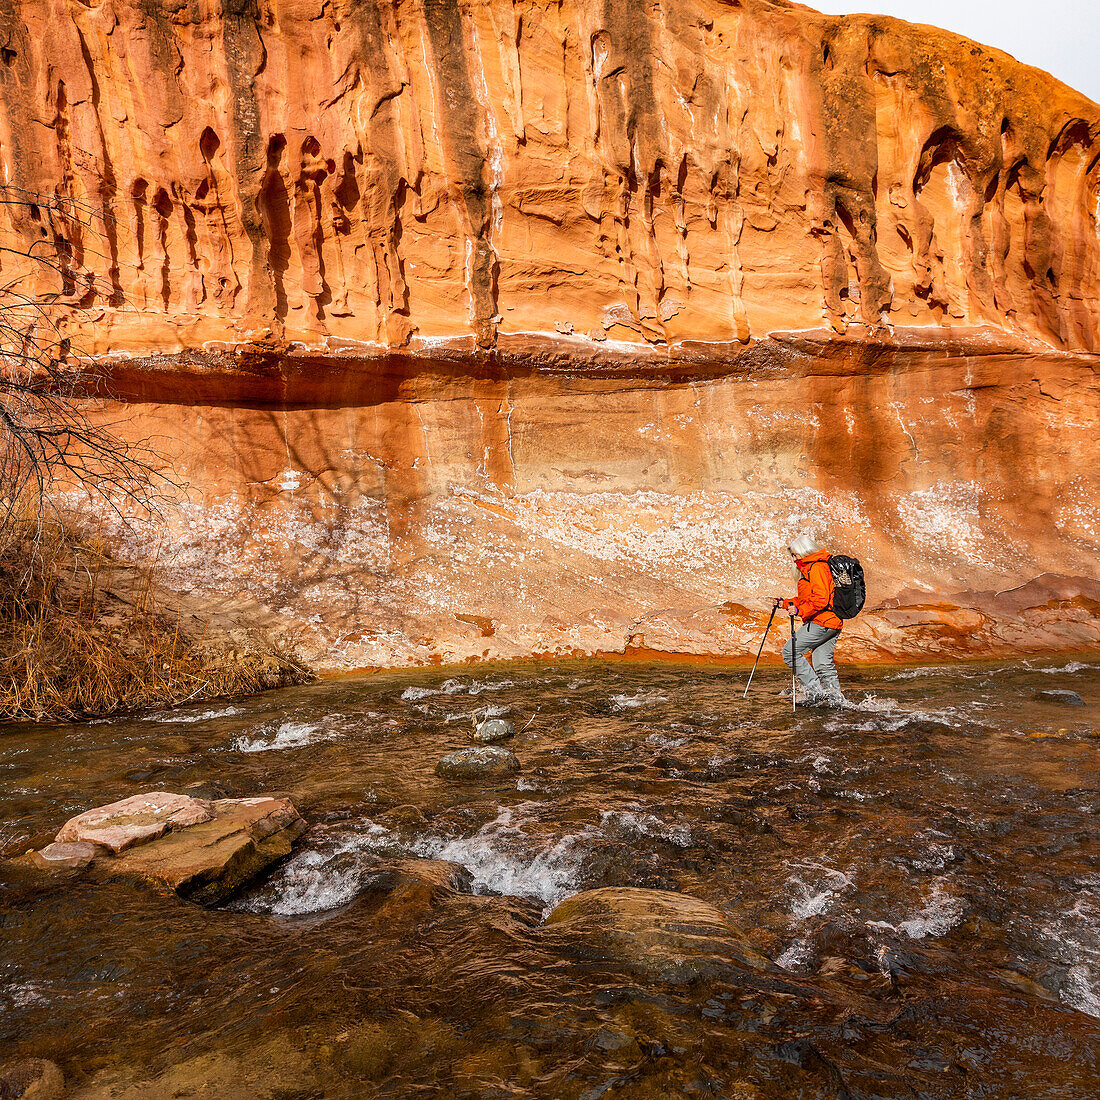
820 625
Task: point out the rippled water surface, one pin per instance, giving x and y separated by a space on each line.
923 868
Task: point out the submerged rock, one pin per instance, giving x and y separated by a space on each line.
64 856
1060 695
494 729
315 883
611 1041
204 851
31 1079
484 762
657 933
415 886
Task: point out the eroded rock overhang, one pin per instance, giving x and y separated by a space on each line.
652 172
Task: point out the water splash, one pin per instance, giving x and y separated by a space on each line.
1073 938
659 740
322 878
886 715
286 735
815 894
635 823
918 673
1071 667
200 716
939 915
501 858
797 956
638 699
456 687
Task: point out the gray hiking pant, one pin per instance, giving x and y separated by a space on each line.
819 678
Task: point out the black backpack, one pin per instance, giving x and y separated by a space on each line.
849 592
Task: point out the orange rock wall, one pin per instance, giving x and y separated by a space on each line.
363 171
489 329
433 514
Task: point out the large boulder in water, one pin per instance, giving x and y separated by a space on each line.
657 933
203 850
209 861
483 763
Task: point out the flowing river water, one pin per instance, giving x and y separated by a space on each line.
922 869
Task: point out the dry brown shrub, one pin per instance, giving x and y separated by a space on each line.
83 635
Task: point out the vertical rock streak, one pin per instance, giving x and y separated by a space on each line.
654 171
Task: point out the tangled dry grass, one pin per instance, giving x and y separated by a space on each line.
83 635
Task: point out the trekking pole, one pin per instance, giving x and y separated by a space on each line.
775 608
794 707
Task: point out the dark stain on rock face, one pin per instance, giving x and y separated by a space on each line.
622 50
464 154
17 81
245 58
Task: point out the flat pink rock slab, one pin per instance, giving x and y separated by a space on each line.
203 850
207 862
135 820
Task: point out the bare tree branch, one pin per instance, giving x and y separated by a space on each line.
49 442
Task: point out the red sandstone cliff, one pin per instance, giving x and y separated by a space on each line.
688 169
525 289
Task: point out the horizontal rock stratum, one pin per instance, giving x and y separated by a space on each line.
492 329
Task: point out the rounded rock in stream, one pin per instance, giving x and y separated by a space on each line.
494 729
657 933
484 762
64 856
1060 695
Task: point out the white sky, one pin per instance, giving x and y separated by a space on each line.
1061 36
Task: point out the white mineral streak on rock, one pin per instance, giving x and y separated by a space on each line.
574 515
946 519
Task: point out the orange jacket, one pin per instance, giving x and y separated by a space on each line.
815 590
